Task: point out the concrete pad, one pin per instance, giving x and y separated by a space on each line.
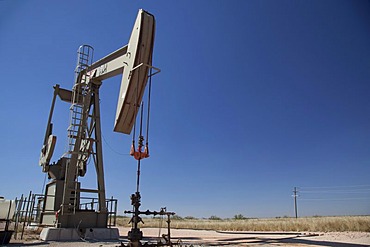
102 233
71 234
59 234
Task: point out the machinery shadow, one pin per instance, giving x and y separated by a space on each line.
279 241
26 244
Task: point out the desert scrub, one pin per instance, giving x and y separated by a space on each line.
313 224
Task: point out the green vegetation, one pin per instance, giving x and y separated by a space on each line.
239 217
214 217
240 223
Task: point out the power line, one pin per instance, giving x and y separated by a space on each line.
295 202
335 187
334 199
112 148
331 193
336 191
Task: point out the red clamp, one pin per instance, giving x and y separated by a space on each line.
138 155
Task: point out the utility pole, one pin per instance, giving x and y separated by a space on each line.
295 202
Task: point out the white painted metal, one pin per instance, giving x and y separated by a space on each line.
7 208
47 151
133 61
109 66
139 51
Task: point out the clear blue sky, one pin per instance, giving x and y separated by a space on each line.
254 98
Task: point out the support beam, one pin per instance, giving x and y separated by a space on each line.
99 151
109 66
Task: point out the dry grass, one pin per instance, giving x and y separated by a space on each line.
310 224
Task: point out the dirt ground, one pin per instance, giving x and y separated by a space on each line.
197 238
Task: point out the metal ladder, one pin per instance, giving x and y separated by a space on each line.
78 119
77 127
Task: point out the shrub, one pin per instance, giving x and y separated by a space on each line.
190 218
239 217
176 217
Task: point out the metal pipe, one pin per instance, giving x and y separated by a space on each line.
26 213
48 127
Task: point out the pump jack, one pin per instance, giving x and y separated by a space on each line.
63 207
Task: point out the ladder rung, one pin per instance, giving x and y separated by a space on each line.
77 125
77 108
70 129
